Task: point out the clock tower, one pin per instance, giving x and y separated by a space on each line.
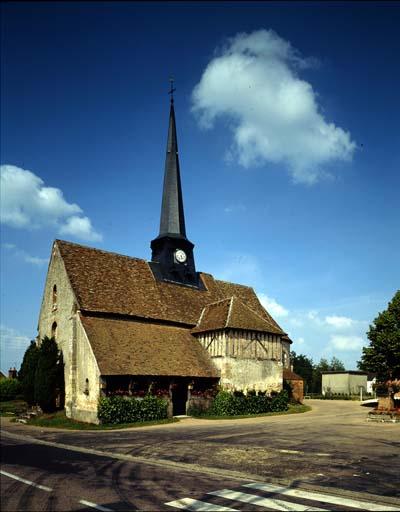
172 253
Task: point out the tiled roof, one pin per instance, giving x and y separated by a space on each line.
128 347
232 313
107 282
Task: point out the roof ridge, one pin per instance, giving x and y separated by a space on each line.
216 302
236 284
100 250
229 311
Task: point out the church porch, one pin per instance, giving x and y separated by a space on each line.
181 392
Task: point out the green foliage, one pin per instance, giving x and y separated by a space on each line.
303 366
9 389
382 356
48 374
26 374
336 365
117 409
236 404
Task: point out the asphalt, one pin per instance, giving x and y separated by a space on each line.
332 447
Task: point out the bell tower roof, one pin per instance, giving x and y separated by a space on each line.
172 221
172 256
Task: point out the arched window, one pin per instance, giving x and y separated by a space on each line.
54 297
54 330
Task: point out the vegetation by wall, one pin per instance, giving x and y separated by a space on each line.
118 409
237 403
10 389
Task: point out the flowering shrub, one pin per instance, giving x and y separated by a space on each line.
117 409
160 392
382 388
208 393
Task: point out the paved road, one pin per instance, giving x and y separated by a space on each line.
332 450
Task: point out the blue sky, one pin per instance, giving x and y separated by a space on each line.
287 118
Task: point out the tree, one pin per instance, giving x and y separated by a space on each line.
382 356
48 374
336 365
26 374
303 366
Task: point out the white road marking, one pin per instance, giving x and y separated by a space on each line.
253 499
323 498
94 505
27 482
190 504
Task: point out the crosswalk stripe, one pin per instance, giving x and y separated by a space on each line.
253 499
190 504
95 505
24 481
323 498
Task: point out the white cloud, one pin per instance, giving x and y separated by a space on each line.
27 203
339 322
235 208
270 304
12 339
81 227
300 340
34 260
274 115
347 342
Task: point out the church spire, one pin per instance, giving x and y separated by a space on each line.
172 220
172 253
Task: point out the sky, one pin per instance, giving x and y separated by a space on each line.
287 119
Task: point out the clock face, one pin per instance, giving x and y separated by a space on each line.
180 256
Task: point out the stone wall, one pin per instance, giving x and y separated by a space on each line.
87 379
79 361
63 313
246 374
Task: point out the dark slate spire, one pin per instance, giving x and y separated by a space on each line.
172 256
172 220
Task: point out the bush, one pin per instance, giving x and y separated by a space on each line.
236 404
26 374
10 389
117 409
48 375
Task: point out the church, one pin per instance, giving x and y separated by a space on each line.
129 326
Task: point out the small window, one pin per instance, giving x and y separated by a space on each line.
54 330
54 297
86 391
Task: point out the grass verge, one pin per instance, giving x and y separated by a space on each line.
59 420
13 407
293 409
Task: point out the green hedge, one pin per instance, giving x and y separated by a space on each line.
236 404
10 389
117 409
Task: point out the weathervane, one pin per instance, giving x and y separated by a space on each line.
171 91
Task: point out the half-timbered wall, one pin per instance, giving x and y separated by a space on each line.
246 359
